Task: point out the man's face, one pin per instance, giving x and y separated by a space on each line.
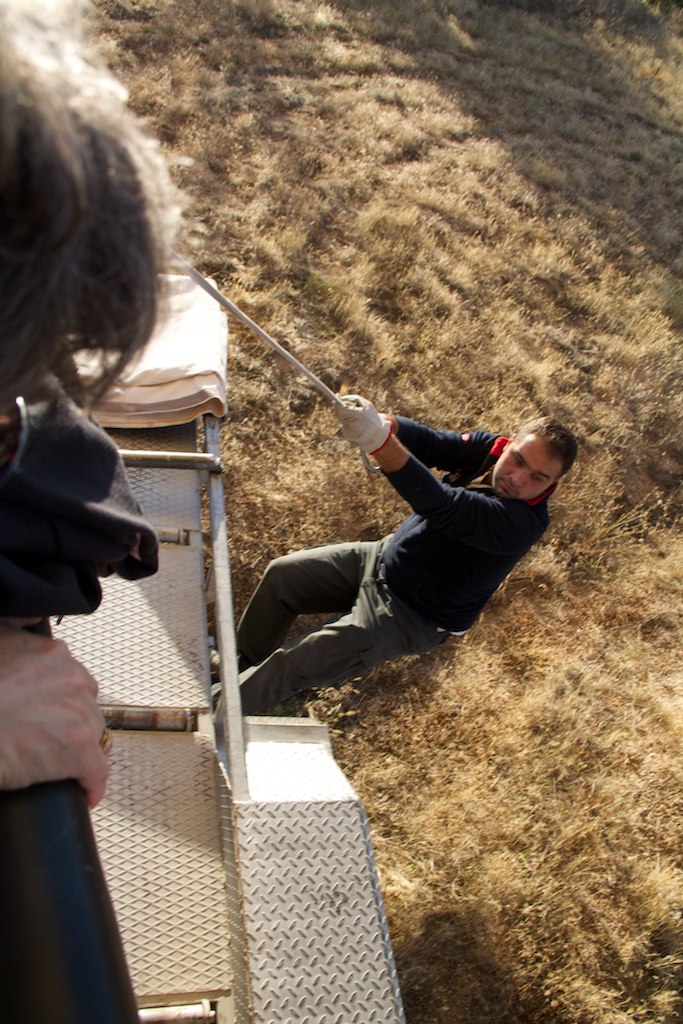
526 469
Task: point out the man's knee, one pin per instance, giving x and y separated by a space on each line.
291 575
276 574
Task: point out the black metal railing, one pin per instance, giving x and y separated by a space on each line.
61 955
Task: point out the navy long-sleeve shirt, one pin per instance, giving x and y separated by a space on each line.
454 551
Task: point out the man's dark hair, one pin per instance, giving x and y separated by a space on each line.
86 207
559 439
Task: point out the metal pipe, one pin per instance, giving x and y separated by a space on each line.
171 460
62 958
167 535
150 719
229 733
263 335
200 1013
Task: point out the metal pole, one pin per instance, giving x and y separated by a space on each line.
263 335
137 459
61 955
62 958
229 735
253 326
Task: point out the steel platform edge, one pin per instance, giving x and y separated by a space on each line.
316 943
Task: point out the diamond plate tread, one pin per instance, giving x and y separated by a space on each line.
169 497
179 438
291 771
317 938
147 642
158 835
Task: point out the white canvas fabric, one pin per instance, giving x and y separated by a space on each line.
181 372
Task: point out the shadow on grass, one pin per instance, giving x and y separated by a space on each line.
450 973
534 77
540 77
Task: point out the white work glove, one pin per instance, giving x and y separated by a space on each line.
361 424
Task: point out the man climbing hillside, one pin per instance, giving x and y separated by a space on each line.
412 590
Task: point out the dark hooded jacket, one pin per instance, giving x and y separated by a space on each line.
67 516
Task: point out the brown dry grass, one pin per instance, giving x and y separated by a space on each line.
470 212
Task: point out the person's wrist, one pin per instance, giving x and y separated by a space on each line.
385 442
381 432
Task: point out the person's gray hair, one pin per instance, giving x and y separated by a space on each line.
87 211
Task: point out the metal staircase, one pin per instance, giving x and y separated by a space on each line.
237 854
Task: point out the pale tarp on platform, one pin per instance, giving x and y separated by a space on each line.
180 374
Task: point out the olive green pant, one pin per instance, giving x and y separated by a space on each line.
372 625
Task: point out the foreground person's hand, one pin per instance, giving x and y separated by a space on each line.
51 727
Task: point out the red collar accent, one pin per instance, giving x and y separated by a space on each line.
546 494
499 446
497 449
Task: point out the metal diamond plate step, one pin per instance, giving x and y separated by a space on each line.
146 643
169 497
318 945
290 760
158 831
179 438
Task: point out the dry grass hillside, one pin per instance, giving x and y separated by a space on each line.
470 213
